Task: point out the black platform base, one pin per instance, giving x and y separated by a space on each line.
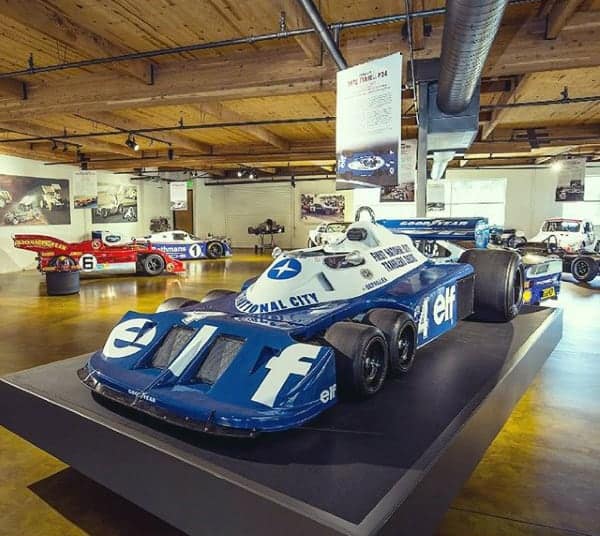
389 465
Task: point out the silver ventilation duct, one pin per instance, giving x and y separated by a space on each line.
469 31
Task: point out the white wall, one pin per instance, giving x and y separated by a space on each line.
152 202
530 195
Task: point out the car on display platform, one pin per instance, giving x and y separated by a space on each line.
318 324
327 233
106 253
446 239
571 235
184 246
367 164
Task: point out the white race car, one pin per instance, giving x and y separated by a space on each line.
327 233
568 234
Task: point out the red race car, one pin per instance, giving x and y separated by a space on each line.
99 255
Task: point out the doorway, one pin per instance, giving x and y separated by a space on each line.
183 220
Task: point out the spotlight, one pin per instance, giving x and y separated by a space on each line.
240 173
252 175
556 165
131 143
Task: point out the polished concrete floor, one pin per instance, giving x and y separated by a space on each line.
541 475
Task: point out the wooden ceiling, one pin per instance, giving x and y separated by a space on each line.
542 48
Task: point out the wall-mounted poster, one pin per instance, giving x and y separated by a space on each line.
85 189
117 203
178 195
322 207
34 201
436 195
368 122
570 180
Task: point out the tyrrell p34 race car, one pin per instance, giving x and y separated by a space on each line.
318 324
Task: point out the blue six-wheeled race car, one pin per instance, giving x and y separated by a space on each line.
319 324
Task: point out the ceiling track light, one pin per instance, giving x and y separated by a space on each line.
250 173
131 143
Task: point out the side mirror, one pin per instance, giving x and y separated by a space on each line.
277 251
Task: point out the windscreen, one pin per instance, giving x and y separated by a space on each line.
561 227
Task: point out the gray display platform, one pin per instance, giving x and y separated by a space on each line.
388 465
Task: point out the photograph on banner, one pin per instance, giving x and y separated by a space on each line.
178 195
570 179
34 201
368 122
322 207
436 195
404 192
85 189
117 203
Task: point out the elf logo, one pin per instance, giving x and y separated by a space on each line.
293 360
129 337
441 308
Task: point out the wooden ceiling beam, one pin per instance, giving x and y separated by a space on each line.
559 15
222 113
88 144
554 151
546 7
10 87
297 18
125 123
507 97
418 26
52 22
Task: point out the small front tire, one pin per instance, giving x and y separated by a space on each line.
584 269
153 264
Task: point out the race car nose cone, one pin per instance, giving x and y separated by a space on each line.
286 268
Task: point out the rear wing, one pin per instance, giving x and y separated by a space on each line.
450 229
39 243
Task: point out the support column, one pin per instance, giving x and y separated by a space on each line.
421 186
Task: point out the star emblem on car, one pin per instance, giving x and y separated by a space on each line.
285 269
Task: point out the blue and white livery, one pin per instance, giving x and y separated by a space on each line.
183 246
318 323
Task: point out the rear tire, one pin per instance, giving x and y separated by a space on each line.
584 269
361 358
498 288
171 304
153 264
401 334
214 250
217 294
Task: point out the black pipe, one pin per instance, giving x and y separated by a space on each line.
323 33
568 100
202 126
131 56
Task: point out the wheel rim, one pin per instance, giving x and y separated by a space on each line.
154 264
581 268
405 347
215 250
518 290
373 363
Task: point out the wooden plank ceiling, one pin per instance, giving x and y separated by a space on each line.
543 47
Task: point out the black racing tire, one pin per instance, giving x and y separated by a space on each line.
217 294
310 243
62 283
178 302
214 250
401 335
153 264
584 268
361 358
498 288
551 244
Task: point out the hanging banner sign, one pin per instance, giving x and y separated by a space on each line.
570 182
368 133
85 189
178 195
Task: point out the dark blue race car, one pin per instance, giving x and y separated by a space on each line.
319 324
